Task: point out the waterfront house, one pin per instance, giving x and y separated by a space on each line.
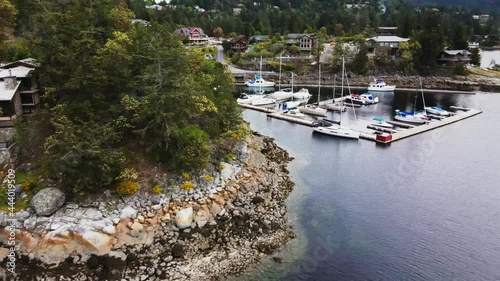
19 80
454 56
305 41
239 43
10 101
384 45
259 39
195 35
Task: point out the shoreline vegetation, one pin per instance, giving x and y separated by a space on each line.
232 222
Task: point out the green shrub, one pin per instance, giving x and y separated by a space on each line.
461 69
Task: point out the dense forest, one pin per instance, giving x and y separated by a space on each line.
119 95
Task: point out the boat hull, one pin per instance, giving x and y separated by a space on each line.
264 84
437 112
410 119
313 111
337 132
335 107
264 101
382 89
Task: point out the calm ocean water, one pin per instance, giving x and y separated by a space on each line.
423 208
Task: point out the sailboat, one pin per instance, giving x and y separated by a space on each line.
335 106
337 129
294 103
312 108
282 94
259 81
413 116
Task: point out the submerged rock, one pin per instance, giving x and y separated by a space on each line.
47 201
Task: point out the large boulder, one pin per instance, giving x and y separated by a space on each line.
47 201
184 217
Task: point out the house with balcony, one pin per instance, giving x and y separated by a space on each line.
239 43
305 41
195 35
19 91
384 45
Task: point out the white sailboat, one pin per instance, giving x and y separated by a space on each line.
334 106
282 94
314 109
416 117
337 129
259 81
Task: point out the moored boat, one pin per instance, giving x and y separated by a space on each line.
302 94
381 123
379 85
294 113
410 117
259 82
248 99
264 101
436 110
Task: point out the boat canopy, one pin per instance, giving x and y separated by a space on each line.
378 119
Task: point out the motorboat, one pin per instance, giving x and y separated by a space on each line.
293 104
436 110
379 85
281 95
259 82
248 99
382 123
302 94
356 99
264 101
369 98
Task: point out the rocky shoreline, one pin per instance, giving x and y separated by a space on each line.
211 232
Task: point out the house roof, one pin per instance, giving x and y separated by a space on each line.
7 94
188 30
298 35
29 62
238 38
18 71
456 52
259 37
388 39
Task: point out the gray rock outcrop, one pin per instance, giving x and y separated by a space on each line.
47 201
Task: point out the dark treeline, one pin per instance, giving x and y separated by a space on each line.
119 95
271 17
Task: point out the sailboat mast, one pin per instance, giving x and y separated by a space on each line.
319 82
422 90
342 91
279 81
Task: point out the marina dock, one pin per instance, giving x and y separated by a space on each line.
390 135
434 124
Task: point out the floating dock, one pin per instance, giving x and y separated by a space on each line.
388 138
434 124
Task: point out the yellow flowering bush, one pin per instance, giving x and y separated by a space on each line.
156 189
187 185
127 188
209 178
186 176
